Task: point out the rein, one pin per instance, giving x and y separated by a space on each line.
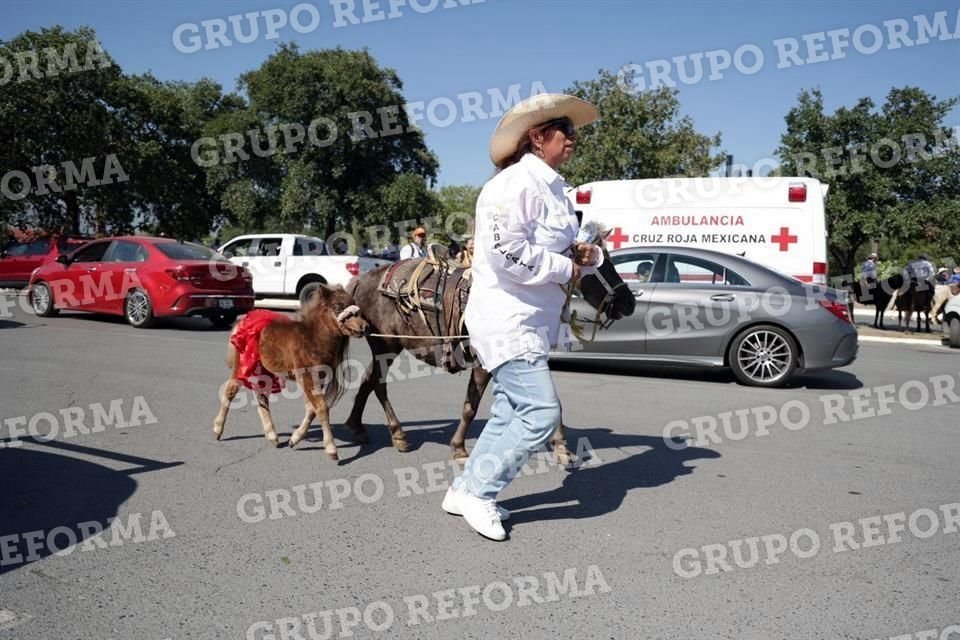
576 325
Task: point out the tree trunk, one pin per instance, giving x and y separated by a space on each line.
73 211
330 226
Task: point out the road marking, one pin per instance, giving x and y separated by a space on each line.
929 342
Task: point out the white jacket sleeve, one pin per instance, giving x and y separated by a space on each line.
510 227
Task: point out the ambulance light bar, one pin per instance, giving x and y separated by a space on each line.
797 192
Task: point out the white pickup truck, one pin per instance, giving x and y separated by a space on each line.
285 264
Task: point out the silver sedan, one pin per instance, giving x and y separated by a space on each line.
710 309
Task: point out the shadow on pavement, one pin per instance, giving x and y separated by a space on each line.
201 325
380 436
828 379
46 490
601 489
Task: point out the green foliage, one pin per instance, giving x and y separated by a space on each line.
637 136
92 110
351 178
880 188
62 117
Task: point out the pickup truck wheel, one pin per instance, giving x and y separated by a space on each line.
955 332
41 299
307 292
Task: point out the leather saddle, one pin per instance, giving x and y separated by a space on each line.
436 290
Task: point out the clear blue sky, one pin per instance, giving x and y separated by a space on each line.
502 42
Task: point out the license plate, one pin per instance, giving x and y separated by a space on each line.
225 304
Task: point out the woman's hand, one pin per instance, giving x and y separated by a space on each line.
585 254
575 274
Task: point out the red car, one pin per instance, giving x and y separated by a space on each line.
143 278
18 260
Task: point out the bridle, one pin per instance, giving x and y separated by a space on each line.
576 325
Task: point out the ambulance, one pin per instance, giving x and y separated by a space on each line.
778 222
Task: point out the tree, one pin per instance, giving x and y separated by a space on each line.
459 198
117 148
361 142
168 188
637 136
459 204
889 173
58 112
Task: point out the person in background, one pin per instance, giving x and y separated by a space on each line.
955 278
416 248
943 274
870 268
920 269
465 257
453 250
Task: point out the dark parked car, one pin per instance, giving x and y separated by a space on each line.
710 309
143 278
19 259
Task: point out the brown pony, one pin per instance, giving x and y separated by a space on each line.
266 348
607 291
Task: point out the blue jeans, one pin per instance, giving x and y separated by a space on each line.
525 413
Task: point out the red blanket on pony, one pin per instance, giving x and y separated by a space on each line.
246 340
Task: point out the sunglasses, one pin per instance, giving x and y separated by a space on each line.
420 235
561 124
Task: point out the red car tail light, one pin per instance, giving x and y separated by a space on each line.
353 268
583 197
179 274
837 308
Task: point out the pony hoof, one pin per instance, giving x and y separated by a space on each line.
401 445
274 441
294 441
217 434
333 455
564 456
461 458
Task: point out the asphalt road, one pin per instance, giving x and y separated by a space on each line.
655 541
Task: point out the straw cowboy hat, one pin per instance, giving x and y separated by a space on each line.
535 110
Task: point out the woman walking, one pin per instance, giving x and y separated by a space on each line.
525 247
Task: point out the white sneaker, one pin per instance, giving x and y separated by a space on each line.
451 505
480 513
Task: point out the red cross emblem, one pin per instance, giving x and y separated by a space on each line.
785 239
617 237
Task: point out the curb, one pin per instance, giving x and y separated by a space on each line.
936 343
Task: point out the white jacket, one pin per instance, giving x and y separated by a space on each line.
412 250
525 227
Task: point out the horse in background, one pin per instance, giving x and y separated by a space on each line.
916 296
877 293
